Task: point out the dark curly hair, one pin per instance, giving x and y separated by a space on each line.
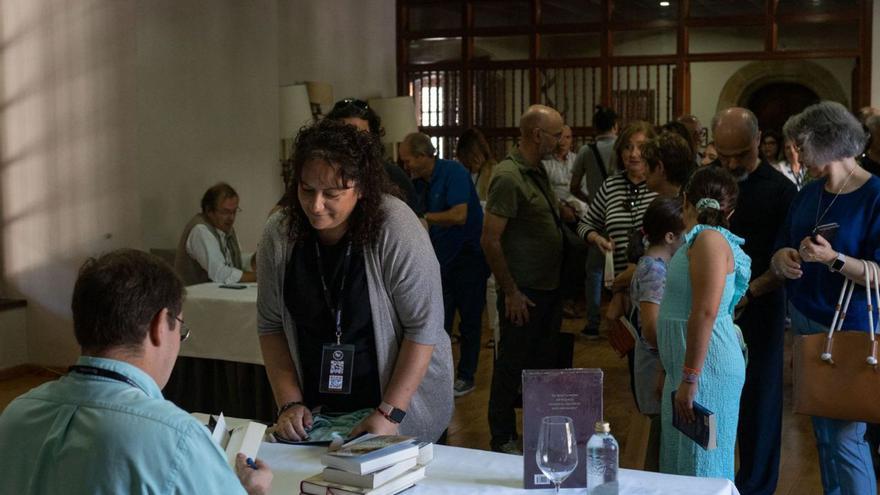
357 157
713 183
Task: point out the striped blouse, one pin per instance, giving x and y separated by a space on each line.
617 210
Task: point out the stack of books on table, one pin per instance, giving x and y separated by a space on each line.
371 465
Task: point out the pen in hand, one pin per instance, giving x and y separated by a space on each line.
251 464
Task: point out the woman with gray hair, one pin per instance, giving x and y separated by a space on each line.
833 224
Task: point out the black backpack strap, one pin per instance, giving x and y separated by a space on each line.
599 161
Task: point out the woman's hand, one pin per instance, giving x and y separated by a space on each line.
377 424
818 251
293 422
516 307
606 245
684 401
787 263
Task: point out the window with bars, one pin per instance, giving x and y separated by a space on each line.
481 63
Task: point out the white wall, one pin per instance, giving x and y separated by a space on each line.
116 116
68 183
207 110
351 45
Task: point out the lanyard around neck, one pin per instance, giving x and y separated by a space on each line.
103 373
336 310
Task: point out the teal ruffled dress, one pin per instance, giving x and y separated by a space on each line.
723 373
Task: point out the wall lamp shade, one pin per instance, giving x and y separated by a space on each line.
296 111
398 116
320 95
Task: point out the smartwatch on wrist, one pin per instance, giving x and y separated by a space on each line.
391 413
838 263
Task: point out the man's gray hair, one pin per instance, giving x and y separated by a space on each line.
826 132
751 121
420 144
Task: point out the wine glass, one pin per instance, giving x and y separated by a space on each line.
557 455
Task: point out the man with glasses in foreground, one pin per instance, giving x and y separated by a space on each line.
208 250
104 428
522 240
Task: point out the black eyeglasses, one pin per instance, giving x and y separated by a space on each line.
351 102
184 330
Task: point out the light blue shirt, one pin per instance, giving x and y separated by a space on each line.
86 434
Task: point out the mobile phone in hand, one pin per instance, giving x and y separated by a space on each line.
828 231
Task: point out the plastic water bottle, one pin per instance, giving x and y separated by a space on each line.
602 458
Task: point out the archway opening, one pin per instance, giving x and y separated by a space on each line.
774 103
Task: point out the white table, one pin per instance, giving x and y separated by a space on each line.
223 323
465 471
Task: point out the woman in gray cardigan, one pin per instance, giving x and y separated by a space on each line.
350 307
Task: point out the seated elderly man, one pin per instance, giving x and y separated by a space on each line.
208 250
104 428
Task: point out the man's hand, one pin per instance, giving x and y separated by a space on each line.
516 307
787 263
293 422
567 213
256 478
377 424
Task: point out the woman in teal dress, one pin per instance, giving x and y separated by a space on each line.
700 347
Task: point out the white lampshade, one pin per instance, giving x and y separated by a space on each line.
320 93
398 116
296 111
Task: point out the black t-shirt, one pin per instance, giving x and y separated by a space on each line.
764 198
315 324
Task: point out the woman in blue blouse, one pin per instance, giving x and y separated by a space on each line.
828 138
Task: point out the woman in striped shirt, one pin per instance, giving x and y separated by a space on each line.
617 210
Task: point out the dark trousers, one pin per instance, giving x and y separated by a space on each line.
760 412
464 290
531 346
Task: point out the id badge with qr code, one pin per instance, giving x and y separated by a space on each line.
337 365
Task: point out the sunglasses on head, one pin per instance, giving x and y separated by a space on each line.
351 102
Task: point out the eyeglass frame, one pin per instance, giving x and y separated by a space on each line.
557 136
185 331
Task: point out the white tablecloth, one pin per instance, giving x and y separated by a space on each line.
465 471
223 323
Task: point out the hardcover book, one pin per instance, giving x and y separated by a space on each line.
574 392
703 431
317 485
369 453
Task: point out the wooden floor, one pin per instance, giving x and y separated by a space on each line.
799 474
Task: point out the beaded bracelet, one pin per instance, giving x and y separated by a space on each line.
689 377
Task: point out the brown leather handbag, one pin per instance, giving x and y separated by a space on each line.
836 374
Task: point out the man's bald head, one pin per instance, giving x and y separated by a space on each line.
539 117
737 138
541 129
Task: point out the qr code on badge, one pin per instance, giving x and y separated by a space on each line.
335 382
336 367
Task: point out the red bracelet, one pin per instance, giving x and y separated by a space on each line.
690 371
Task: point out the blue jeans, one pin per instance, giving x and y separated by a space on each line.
844 455
595 272
464 290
